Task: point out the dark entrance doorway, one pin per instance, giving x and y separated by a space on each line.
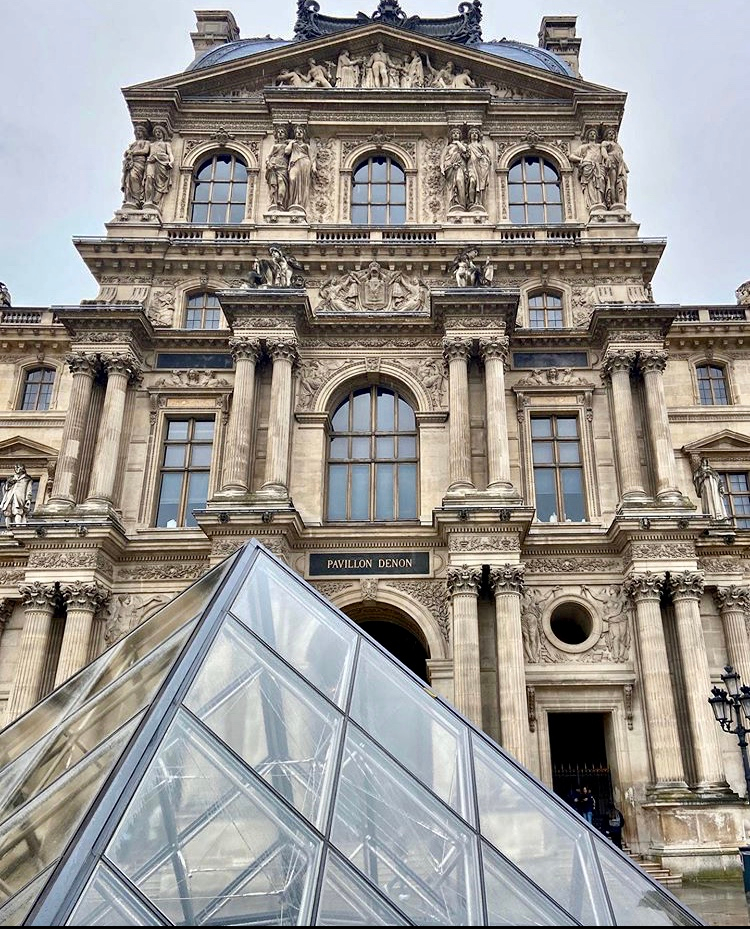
394 631
579 756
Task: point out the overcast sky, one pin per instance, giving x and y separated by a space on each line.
64 124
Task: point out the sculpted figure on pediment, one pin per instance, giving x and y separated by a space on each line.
379 69
161 307
413 73
373 289
441 77
348 70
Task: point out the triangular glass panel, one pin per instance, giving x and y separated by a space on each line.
249 756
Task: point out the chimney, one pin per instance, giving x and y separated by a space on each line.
213 28
557 34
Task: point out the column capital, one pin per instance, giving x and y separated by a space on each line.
687 585
733 598
456 347
283 349
245 348
495 347
654 359
122 363
646 586
38 596
617 359
464 580
81 363
507 579
80 595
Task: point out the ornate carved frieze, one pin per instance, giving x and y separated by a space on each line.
9 577
192 377
531 707
92 558
331 589
553 377
160 571
368 588
582 302
321 198
719 565
372 290
571 565
433 201
484 543
221 548
432 594
656 550
627 699
431 374
614 609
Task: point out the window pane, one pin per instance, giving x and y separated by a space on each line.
217 213
197 495
337 491
378 193
361 175
169 499
236 212
378 170
546 494
407 491
384 448
551 193
541 427
406 420
543 452
549 172
567 426
535 214
569 452
205 171
515 175
200 194
407 447
361 447
385 421
554 214
203 429
339 448
384 491
200 213
200 456
378 215
534 193
398 193
517 214
360 505
346 900
397 215
222 167
107 901
340 420
396 173
533 167
177 429
220 193
359 193
174 456
359 215
361 417
515 193
240 172
572 487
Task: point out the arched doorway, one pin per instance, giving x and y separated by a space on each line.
395 631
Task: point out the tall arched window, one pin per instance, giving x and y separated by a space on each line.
534 192
372 458
545 310
712 385
219 191
203 311
379 192
37 389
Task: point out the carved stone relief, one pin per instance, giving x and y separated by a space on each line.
192 377
126 611
483 543
433 595
186 570
432 180
465 164
161 308
553 377
312 375
372 290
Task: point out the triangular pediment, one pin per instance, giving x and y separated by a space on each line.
19 448
445 66
725 443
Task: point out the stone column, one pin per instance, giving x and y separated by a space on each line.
686 589
121 369
507 584
63 495
661 718
82 600
463 586
239 434
457 352
284 355
495 354
616 369
652 364
39 606
734 606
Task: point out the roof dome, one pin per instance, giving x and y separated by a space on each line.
231 51
526 55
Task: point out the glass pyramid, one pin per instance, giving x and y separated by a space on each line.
249 756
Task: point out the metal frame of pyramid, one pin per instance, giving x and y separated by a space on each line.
249 756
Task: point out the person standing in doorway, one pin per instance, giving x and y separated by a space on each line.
587 804
615 822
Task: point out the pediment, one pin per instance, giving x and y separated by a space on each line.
21 449
725 444
441 67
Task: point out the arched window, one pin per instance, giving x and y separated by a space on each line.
219 191
545 311
372 458
37 389
534 192
203 311
712 385
379 192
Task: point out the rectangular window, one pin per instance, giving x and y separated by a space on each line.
185 467
558 469
737 496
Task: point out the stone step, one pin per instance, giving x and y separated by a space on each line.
654 870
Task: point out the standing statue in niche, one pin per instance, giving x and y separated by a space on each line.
301 170
710 489
590 160
478 170
277 170
134 169
348 70
159 166
454 162
16 497
615 171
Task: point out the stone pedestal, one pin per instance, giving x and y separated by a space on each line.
463 585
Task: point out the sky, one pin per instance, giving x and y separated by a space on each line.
64 124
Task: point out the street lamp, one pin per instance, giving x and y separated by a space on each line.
733 706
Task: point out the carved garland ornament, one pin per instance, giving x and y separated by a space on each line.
433 595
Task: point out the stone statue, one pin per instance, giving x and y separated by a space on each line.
454 161
441 77
478 170
279 270
470 274
4 295
615 171
161 308
291 79
710 489
742 293
590 160
615 620
159 166
16 497
348 70
377 68
301 170
431 373
317 75
134 169
532 606
277 170
413 73
463 80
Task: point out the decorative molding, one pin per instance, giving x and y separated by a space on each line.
369 588
464 580
484 543
656 550
627 699
39 596
571 565
330 589
67 560
531 707
646 586
432 594
720 565
733 598
80 595
373 289
191 377
171 570
688 585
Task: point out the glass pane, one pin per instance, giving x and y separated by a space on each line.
541 427
406 420
407 447
539 836
518 214
360 193
340 420
384 491
359 215
567 426
385 448
385 411
339 448
572 487
107 901
397 215
546 494
236 212
413 727
554 214
169 499
199 213
404 840
378 215
551 193
296 625
396 173
346 900
550 174
569 452
240 172
361 417
362 174
543 452
273 720
177 429
207 845
174 456
516 193
337 491
515 175
17 909
222 167
514 901
361 447
217 213
360 502
534 193
535 214
533 168
220 193
636 900
200 193
407 491
200 456
378 193
398 193
378 170
197 495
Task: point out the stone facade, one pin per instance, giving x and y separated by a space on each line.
501 330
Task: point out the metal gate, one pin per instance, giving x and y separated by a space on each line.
566 777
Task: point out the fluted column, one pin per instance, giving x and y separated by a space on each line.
121 369
734 606
661 718
617 366
457 353
507 583
686 589
284 355
463 586
495 354
63 496
82 600
239 434
652 364
39 606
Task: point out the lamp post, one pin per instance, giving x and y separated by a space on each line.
733 706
